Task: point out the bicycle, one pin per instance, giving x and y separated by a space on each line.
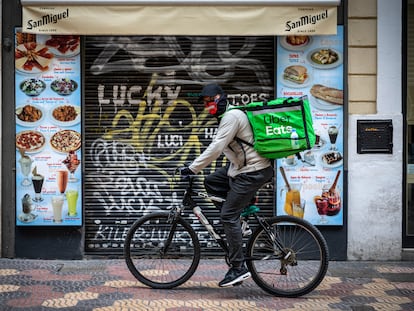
286 256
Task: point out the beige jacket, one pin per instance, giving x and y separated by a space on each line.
243 158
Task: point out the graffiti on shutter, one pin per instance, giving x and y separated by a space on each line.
143 120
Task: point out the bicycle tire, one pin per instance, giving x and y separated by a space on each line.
296 275
143 251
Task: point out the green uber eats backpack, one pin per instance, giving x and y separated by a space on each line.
274 124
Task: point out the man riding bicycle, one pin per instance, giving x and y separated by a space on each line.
239 181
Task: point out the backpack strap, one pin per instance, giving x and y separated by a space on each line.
239 140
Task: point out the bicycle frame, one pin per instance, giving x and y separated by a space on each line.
285 255
188 202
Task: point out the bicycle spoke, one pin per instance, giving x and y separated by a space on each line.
295 269
151 261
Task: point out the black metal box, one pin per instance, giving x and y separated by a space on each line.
374 136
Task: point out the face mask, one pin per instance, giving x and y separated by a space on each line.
211 107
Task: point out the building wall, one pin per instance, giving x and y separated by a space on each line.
374 85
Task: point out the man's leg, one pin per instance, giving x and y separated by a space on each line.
217 184
242 188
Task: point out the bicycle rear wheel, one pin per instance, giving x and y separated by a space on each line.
150 261
295 274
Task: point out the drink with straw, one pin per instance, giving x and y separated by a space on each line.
292 198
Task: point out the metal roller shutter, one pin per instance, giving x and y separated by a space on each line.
142 121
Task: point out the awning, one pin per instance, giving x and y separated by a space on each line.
182 17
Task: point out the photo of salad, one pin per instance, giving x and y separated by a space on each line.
32 87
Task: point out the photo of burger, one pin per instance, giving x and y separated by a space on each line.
297 75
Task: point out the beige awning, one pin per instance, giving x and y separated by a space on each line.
182 17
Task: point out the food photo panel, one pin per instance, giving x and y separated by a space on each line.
48 130
310 183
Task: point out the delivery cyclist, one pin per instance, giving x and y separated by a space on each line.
239 181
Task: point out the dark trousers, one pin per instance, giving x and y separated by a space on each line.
238 192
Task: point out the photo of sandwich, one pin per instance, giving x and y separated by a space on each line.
326 98
296 73
329 94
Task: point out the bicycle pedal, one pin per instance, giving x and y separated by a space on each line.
238 283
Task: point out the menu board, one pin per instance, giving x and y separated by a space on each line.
48 130
310 184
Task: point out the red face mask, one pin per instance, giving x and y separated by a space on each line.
211 107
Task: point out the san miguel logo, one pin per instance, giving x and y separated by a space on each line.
306 20
47 19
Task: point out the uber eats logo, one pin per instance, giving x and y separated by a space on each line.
277 125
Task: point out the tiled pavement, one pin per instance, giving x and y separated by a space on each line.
107 285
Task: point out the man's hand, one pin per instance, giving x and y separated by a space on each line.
185 171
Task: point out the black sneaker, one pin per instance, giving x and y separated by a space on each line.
235 275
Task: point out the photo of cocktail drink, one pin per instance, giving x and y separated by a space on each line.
72 162
72 199
57 205
329 202
334 200
293 205
322 206
333 135
292 198
25 166
62 180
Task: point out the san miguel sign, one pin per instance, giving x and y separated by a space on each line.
179 20
46 20
303 21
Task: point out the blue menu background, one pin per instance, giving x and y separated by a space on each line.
313 177
49 160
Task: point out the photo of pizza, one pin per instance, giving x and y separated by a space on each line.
65 141
30 141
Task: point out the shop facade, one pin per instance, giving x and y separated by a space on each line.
137 117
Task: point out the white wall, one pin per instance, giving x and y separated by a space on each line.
375 180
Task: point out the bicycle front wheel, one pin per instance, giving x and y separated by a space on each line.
161 253
289 260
